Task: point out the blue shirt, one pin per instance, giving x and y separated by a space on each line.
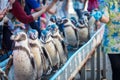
32 4
77 4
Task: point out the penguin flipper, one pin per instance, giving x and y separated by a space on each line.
64 48
45 53
77 36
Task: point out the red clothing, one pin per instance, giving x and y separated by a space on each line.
20 14
92 4
43 15
42 24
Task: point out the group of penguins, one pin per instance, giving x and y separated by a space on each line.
33 57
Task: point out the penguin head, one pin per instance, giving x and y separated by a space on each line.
19 36
58 21
53 18
83 22
73 20
45 36
65 20
86 13
32 34
53 29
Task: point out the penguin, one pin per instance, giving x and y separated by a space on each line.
59 42
83 28
23 60
50 48
53 19
83 33
36 50
70 33
47 68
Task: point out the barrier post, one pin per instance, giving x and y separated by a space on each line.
93 66
98 62
104 64
83 74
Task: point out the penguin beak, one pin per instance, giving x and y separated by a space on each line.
44 38
32 36
14 37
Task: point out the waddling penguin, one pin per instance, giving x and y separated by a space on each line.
70 33
61 47
83 28
23 60
83 33
35 48
50 48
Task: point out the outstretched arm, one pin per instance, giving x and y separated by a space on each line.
52 4
21 15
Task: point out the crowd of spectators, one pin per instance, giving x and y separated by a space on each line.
27 14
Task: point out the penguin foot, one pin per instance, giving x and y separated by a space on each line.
55 71
49 71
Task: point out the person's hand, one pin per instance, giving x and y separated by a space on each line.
98 25
44 8
11 1
2 13
20 25
9 4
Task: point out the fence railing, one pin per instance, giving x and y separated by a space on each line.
78 60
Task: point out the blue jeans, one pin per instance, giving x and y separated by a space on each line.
78 12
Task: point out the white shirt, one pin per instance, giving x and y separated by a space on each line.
3 5
59 9
48 15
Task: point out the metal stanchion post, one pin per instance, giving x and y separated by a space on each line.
98 62
83 74
93 67
104 64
